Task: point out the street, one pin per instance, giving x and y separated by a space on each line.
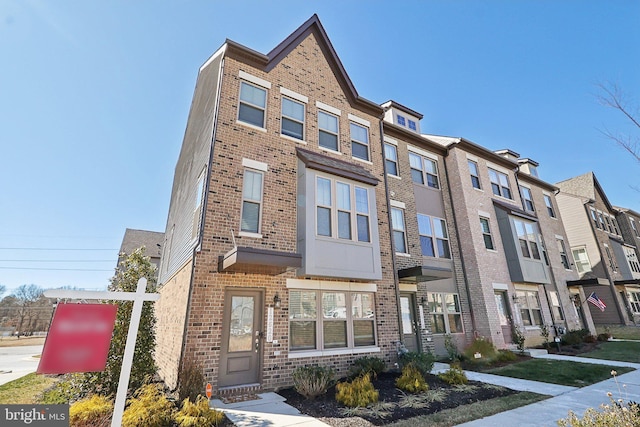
16 362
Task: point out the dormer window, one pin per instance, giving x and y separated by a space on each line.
412 125
401 120
533 171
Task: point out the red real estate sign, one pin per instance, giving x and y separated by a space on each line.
78 339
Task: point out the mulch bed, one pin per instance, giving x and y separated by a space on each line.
326 407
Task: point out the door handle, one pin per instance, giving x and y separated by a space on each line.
257 344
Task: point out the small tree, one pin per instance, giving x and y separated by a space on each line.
26 298
131 269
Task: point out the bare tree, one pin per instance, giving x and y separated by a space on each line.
612 96
26 297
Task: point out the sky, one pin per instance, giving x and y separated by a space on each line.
94 98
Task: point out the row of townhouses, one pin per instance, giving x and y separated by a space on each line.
309 225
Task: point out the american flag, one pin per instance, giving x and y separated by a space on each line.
593 299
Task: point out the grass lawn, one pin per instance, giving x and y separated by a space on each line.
18 342
558 372
25 390
625 351
472 411
621 331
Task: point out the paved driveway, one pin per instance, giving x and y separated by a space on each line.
16 362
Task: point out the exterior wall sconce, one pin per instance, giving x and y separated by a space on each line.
276 300
423 301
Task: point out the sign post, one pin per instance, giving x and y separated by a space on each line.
138 298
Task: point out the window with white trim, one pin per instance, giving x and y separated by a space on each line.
616 228
359 141
594 217
401 120
601 220
253 103
434 239
424 170
581 259
607 219
499 183
528 238
486 233
292 122
391 159
325 320
197 209
251 201
634 301
412 125
475 175
445 312
556 307
527 199
563 254
530 311
549 204
342 210
632 259
328 131
399 235
634 227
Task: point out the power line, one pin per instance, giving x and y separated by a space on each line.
56 260
57 249
52 269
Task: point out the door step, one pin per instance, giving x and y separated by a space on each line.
239 393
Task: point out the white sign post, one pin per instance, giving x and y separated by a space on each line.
138 297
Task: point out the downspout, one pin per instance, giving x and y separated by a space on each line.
205 201
464 268
396 279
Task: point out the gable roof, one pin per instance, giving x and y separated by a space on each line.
311 26
585 185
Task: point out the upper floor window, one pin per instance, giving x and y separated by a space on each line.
446 316
486 233
292 118
594 217
529 308
601 220
614 222
391 159
253 102
632 258
475 175
401 120
251 201
434 239
346 217
412 125
399 235
527 199
556 307
359 141
634 227
563 254
581 259
197 209
528 238
533 170
499 184
612 263
328 131
424 170
549 204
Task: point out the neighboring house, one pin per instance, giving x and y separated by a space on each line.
434 299
598 248
629 223
511 244
135 239
277 250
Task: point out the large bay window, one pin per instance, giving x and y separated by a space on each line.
325 320
342 210
634 301
528 238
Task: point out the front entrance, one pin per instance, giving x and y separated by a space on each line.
409 327
241 350
504 315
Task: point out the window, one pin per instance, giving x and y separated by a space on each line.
324 207
499 184
328 131
616 229
362 214
556 307
527 199
601 220
563 254
486 233
399 238
412 125
349 211
343 198
533 170
529 308
251 201
431 228
424 170
401 120
197 209
607 219
292 118
594 217
634 301
391 159
446 316
634 227
612 263
632 258
475 175
527 236
359 141
549 204
324 320
253 102
581 259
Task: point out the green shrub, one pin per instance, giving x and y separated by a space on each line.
423 362
367 365
518 338
486 349
613 415
575 337
94 411
506 356
191 382
65 391
358 392
604 337
312 381
590 339
149 407
454 376
451 347
411 380
198 414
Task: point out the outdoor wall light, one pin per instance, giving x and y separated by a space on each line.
423 301
276 300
